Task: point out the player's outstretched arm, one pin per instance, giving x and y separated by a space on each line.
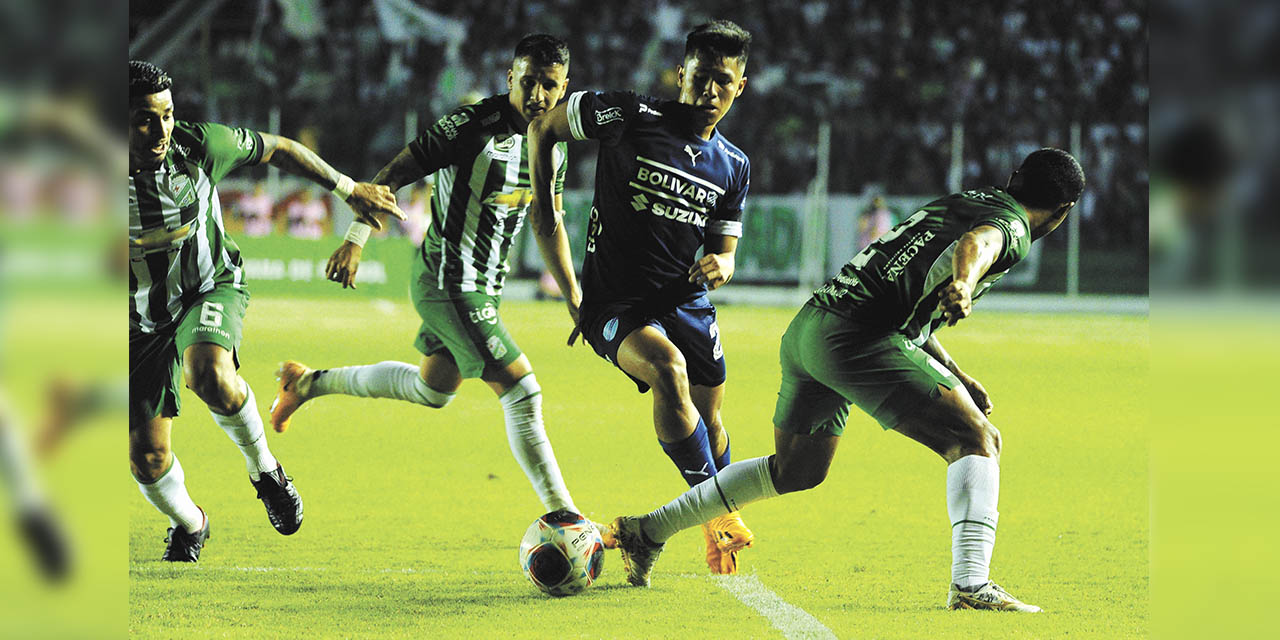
368 200
342 266
559 261
402 170
544 132
976 390
975 252
716 265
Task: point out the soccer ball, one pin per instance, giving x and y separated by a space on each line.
562 553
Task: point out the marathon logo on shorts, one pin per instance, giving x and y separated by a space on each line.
903 257
487 313
612 114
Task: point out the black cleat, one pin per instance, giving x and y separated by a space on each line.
183 546
284 505
47 543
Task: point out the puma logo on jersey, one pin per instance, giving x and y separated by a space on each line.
693 157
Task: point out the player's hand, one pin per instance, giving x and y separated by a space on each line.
956 302
573 313
343 264
713 270
977 392
369 199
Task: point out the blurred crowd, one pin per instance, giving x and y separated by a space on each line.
306 213
895 80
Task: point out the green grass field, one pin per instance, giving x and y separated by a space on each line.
413 516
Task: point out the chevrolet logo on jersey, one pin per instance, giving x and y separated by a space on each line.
517 198
159 238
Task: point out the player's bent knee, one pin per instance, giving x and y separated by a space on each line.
980 438
430 397
217 388
148 464
524 389
792 478
671 376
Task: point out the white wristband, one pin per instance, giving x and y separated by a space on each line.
358 233
344 187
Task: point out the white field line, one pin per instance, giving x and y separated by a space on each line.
792 621
160 568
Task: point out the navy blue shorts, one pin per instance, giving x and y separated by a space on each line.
690 326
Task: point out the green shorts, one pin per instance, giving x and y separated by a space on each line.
828 364
466 325
155 359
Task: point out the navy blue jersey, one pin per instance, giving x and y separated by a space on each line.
660 189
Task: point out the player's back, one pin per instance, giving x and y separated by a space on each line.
893 284
659 189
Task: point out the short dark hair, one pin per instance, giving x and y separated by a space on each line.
146 78
543 50
718 38
1047 179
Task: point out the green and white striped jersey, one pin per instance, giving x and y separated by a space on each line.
178 246
895 282
481 160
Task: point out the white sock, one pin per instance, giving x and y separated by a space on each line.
730 489
973 489
244 427
16 470
389 379
168 494
522 407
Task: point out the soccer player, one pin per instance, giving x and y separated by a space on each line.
868 337
668 183
481 160
39 526
187 297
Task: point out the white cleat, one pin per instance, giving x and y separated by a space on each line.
990 597
638 554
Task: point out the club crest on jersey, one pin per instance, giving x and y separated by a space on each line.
612 114
693 156
181 189
503 142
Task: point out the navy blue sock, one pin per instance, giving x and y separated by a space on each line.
692 455
723 459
